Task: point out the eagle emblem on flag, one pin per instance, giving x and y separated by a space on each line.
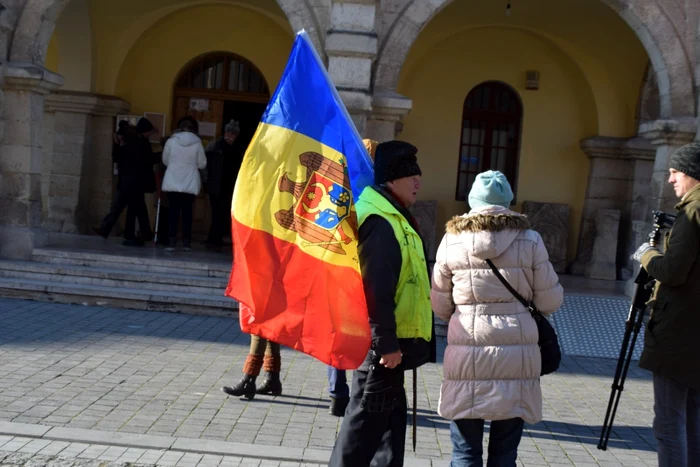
323 213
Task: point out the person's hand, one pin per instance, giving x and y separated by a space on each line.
637 256
391 360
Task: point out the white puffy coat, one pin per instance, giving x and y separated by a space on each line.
183 156
492 362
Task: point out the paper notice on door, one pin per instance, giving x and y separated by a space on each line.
207 129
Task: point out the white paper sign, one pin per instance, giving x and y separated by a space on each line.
207 129
199 105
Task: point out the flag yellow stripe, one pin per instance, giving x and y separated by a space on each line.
257 197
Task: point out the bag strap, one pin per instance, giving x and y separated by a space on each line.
529 305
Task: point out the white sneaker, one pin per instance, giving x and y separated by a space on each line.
170 249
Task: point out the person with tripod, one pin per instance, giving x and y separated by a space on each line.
670 341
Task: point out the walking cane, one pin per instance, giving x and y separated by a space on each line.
155 236
159 182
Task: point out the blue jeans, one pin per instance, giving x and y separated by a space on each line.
337 383
504 438
676 423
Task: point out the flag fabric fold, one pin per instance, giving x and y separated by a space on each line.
296 270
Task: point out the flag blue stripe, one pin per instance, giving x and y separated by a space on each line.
306 102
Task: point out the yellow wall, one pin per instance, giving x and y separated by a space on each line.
552 166
52 55
153 63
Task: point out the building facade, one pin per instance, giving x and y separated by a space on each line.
580 103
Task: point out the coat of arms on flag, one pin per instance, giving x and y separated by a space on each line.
322 212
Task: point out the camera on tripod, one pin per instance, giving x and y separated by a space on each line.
662 220
643 290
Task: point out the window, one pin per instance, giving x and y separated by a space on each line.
490 140
219 71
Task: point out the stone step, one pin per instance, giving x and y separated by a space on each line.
109 277
101 260
118 297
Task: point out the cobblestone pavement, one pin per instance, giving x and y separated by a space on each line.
39 453
160 374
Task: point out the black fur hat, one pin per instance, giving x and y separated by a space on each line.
394 160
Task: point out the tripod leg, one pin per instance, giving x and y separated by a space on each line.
607 424
620 385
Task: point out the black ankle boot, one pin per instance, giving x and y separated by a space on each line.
245 387
272 384
338 406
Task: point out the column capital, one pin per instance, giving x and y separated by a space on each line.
609 147
29 77
85 103
670 132
390 105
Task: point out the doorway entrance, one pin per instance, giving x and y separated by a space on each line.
215 88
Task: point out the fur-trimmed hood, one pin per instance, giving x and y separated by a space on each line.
488 231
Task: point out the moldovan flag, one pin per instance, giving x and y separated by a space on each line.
296 270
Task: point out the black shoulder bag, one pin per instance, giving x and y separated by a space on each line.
548 341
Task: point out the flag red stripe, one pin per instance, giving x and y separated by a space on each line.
292 298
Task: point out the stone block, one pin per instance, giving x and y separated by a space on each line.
618 169
425 213
64 163
350 72
66 186
609 189
356 101
345 44
603 257
14 158
20 133
23 186
19 242
551 221
353 17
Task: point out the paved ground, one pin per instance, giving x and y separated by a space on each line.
159 374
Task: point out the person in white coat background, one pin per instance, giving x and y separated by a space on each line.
492 361
184 157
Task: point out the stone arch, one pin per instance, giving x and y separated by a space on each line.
649 104
38 20
651 25
34 29
301 15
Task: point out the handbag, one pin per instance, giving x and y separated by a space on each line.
548 341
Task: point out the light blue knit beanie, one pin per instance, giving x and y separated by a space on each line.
490 188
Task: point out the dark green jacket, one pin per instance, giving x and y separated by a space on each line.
672 338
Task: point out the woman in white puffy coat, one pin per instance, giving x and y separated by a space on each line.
183 156
492 361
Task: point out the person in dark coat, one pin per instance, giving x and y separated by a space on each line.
397 289
135 161
338 388
671 336
224 159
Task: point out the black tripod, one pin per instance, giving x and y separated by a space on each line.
644 285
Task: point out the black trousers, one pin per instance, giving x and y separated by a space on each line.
220 218
373 433
135 205
180 203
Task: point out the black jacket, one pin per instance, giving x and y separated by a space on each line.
380 260
671 346
135 160
219 183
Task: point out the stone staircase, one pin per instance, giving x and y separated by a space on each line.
98 272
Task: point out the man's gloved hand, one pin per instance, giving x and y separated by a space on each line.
637 256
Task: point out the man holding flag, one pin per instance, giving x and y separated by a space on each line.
397 289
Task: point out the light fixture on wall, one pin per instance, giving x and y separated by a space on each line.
532 80
508 8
